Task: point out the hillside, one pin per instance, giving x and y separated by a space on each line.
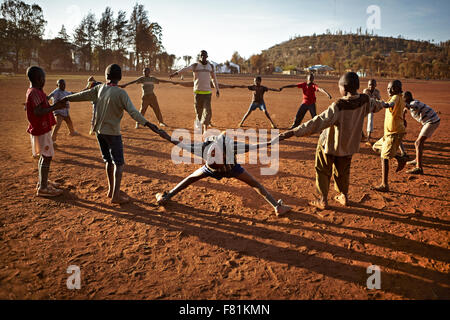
381 56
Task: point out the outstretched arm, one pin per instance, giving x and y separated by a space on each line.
183 84
127 84
315 125
288 86
40 111
192 147
181 71
244 147
272 89
324 92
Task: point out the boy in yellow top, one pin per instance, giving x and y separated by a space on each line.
394 131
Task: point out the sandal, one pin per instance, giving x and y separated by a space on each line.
381 188
162 198
415 171
342 199
319 204
48 192
281 209
401 163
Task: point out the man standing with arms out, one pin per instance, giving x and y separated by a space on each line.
148 96
203 74
309 98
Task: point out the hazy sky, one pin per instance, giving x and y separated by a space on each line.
249 26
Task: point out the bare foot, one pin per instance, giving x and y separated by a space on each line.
121 199
342 199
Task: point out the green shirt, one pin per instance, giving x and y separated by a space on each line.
148 84
110 102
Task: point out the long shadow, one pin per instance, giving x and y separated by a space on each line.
214 232
244 191
419 196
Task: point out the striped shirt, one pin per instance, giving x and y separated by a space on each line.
423 113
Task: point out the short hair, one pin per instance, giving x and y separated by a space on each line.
310 75
113 72
397 84
146 69
408 94
350 81
60 80
203 51
372 80
33 72
258 78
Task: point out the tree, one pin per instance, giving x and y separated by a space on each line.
137 27
121 36
105 29
257 62
62 34
23 27
84 38
187 59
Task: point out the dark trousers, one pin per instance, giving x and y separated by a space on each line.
302 112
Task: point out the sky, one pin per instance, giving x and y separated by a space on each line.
250 26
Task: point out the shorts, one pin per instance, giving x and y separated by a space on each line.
235 172
61 112
428 129
42 145
111 148
388 145
256 105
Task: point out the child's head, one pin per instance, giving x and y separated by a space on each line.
113 73
394 87
61 84
310 78
146 72
407 95
349 83
257 80
91 79
36 75
372 84
203 56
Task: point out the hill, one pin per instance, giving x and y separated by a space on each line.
377 56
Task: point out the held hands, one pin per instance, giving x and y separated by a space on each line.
172 75
61 104
286 135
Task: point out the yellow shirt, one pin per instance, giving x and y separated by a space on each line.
393 120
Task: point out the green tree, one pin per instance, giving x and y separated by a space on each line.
22 29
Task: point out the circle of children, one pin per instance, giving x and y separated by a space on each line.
340 125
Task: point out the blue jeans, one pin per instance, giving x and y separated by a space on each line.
302 112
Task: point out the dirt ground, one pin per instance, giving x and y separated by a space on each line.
219 239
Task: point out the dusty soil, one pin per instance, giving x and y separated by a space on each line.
219 239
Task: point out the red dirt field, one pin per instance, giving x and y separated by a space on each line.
219 239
